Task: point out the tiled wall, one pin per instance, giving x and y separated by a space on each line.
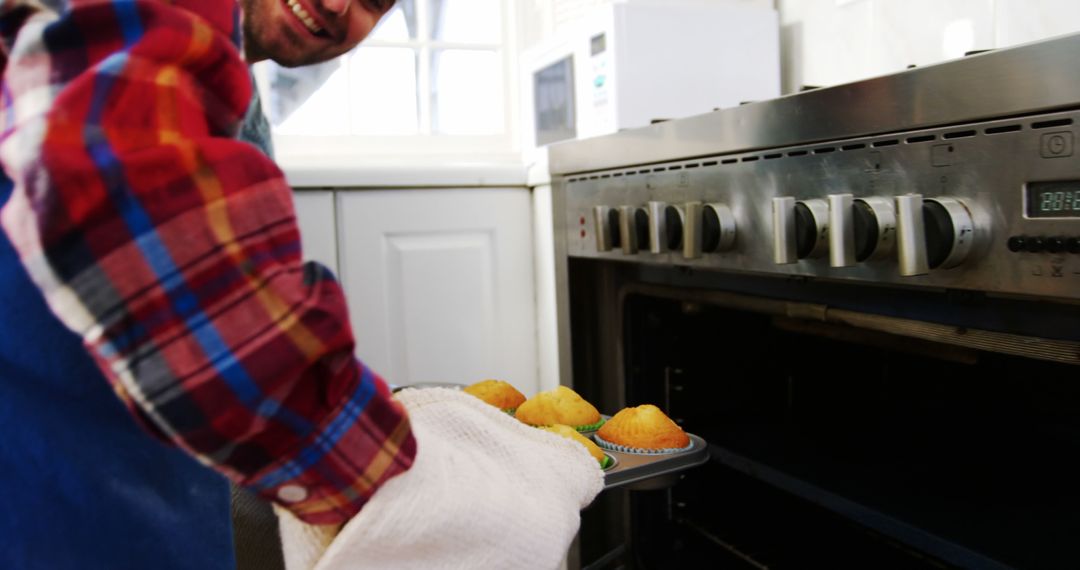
827 42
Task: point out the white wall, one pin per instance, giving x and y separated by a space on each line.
828 42
540 19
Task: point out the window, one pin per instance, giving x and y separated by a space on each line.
434 77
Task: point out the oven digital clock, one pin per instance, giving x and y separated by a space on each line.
1053 199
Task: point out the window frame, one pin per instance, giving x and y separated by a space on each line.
350 151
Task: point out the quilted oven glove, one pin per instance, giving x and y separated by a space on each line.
485 491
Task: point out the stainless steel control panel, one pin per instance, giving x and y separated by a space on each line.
984 205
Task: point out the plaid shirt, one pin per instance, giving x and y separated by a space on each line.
172 249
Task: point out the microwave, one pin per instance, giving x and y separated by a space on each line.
624 65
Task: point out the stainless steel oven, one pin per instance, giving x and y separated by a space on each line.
866 298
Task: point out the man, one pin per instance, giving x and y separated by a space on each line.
142 242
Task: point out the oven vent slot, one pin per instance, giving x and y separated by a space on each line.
824 150
958 134
1051 124
921 139
798 153
890 142
855 146
773 156
749 158
1003 129
729 161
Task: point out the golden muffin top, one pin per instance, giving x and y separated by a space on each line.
571 433
559 406
644 427
498 393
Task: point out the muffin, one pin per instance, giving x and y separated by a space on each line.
571 433
644 428
559 406
500 394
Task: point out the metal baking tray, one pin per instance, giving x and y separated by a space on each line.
633 471
647 472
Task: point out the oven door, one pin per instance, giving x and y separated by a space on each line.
849 426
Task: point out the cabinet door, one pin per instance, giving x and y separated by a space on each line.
315 217
440 283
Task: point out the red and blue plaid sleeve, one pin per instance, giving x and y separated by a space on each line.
173 250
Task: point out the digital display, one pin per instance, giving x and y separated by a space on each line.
1053 199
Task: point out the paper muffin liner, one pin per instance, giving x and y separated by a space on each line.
604 444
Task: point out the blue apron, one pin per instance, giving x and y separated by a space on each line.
81 485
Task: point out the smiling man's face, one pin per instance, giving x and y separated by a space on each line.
302 32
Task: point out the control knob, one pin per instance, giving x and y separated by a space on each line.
633 229
932 233
665 227
709 228
800 229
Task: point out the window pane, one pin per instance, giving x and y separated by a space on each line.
472 21
308 100
399 24
382 87
467 92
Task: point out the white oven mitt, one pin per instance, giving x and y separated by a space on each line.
485 491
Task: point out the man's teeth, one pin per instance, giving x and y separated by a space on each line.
304 17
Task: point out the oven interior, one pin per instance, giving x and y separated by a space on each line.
830 446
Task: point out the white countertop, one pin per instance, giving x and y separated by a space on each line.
313 173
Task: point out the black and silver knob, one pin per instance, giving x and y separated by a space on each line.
633 229
800 229
935 233
709 228
606 225
665 227
873 222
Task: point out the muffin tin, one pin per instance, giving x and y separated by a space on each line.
631 470
642 472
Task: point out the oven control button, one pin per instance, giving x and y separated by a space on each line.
800 229
873 222
708 228
613 228
1055 244
783 226
932 233
675 220
1017 244
841 230
1035 245
665 224
607 237
633 229
811 228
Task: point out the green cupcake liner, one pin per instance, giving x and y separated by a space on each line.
510 411
607 463
591 427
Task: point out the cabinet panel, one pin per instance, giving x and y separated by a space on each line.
440 283
315 217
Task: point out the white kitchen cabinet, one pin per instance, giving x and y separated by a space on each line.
318 232
440 283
